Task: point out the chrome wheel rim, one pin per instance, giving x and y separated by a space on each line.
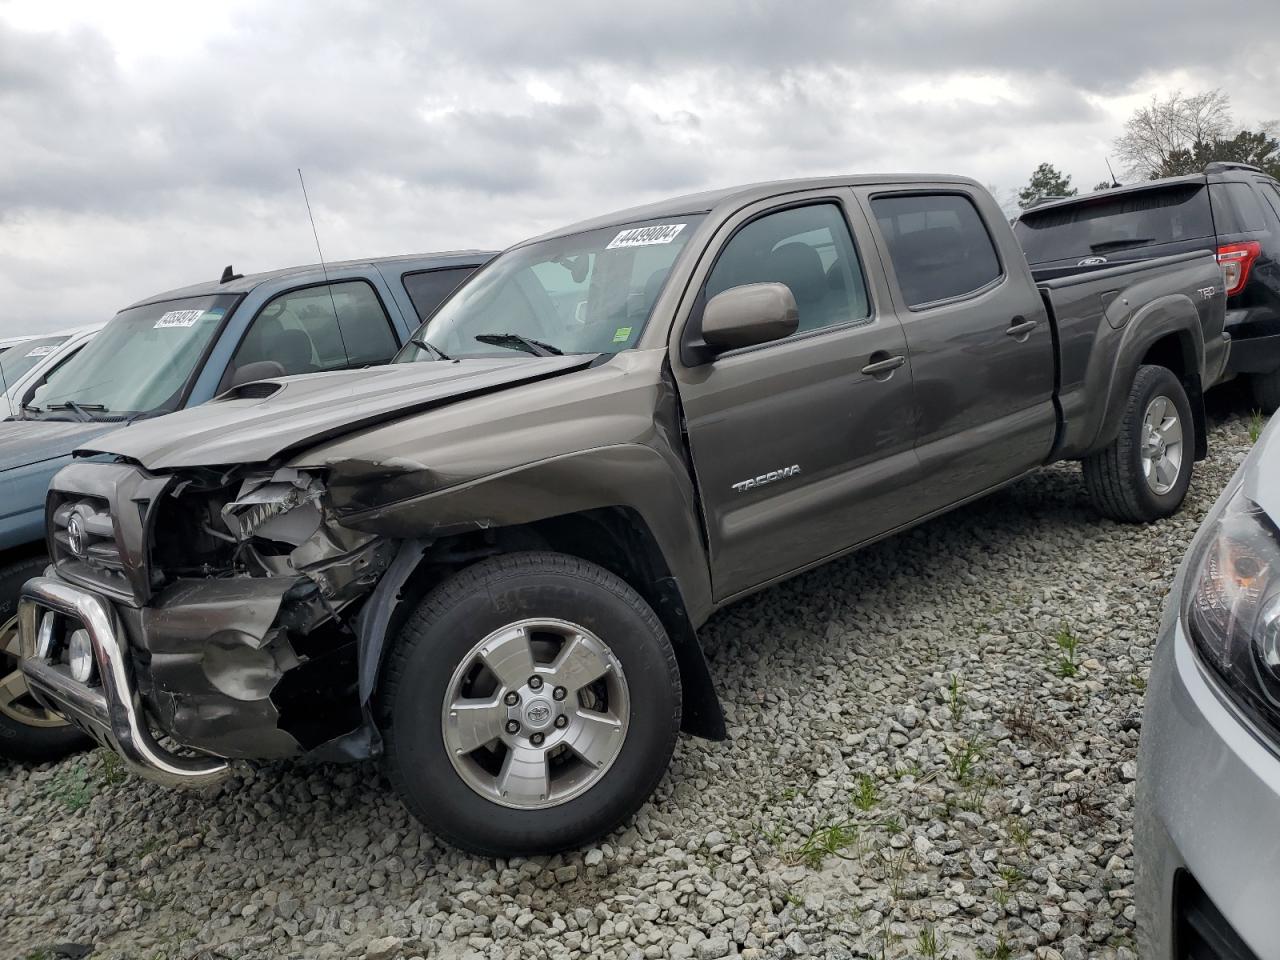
16 701
536 713
1162 446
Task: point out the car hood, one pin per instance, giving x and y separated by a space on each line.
24 442
260 421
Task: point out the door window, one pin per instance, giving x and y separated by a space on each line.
807 248
939 245
428 290
327 327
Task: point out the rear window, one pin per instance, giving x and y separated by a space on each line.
1107 225
1236 208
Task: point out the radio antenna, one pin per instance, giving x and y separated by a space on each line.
1114 182
323 267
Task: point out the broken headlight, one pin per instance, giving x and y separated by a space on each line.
1233 607
282 507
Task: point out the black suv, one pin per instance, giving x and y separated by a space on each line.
1231 208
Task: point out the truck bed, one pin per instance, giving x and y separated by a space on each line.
1089 348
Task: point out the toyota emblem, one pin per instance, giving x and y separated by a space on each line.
75 535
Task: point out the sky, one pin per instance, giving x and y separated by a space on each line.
144 146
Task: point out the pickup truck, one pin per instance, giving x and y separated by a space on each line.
176 350
1232 209
486 562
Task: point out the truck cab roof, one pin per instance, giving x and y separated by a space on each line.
744 194
247 282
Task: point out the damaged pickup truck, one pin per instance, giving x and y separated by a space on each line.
486 562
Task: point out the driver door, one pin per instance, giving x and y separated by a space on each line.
802 447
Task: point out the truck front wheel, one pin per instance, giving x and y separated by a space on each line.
1144 474
529 704
28 731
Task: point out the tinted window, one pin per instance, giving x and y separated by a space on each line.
428 290
1236 208
1272 194
807 248
1107 224
320 328
939 245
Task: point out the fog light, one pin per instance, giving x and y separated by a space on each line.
44 637
80 651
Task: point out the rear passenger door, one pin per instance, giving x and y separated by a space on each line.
802 447
982 354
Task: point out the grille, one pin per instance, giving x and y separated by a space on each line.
1201 931
84 543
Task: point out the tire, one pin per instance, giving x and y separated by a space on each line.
28 732
558 602
1265 388
1117 478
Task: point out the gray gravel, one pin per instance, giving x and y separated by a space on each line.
933 752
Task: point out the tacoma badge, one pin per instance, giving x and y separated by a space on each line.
742 486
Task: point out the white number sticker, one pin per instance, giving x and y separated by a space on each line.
646 236
43 350
179 318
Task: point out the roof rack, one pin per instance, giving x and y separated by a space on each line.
1219 165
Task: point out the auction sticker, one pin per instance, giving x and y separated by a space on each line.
43 350
179 318
646 236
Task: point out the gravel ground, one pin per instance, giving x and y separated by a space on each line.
933 753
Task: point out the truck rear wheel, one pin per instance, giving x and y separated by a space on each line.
529 704
1144 474
28 731
1265 388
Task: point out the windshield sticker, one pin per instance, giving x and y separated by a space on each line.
179 318
646 236
622 335
43 351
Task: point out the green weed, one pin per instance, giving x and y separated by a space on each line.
864 795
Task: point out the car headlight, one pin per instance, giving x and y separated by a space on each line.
1233 607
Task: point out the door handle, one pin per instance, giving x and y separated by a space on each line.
1021 329
887 365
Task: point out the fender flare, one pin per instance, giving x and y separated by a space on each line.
1172 315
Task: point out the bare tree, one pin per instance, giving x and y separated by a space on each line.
1166 126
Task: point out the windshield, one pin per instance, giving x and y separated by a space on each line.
139 363
590 292
14 363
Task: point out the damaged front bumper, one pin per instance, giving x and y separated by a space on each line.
111 712
223 613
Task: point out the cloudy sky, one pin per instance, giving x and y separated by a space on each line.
145 145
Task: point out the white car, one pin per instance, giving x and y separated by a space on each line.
29 360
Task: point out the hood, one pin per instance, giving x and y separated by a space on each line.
261 420
24 442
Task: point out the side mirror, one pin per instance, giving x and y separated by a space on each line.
258 370
748 315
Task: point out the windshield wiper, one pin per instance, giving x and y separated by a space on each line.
81 410
427 345
518 342
1127 242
